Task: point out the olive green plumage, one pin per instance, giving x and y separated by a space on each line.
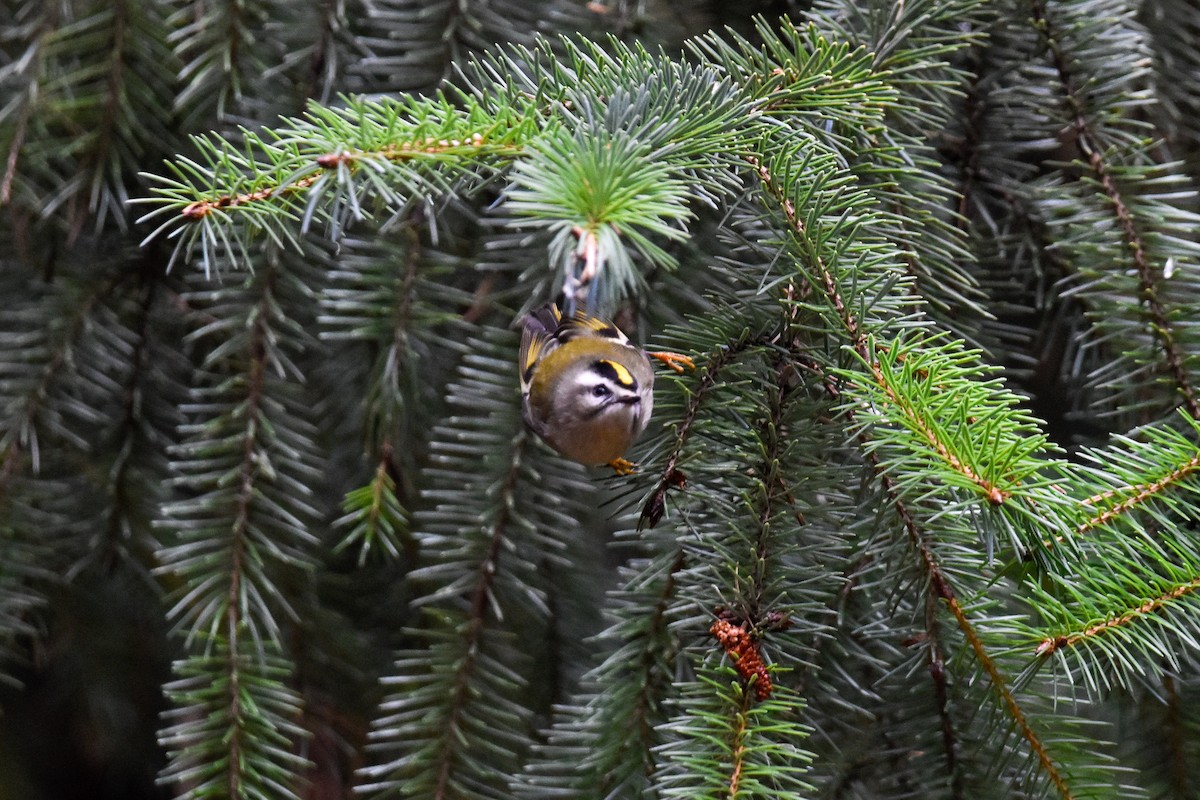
585 389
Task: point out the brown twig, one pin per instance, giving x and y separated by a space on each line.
1140 494
1154 604
199 209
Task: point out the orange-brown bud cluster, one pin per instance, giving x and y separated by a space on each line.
742 650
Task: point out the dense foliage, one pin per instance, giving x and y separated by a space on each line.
922 522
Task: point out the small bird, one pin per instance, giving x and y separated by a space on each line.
585 389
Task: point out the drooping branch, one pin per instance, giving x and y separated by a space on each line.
461 695
33 403
1159 320
654 507
32 61
638 730
245 497
118 481
939 582
860 342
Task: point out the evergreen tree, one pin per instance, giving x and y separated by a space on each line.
923 521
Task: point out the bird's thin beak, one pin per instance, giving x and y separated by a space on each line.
630 400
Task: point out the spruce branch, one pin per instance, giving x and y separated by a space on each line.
1139 627
124 117
1158 321
742 529
916 48
450 754
247 457
332 166
766 542
800 216
935 391
728 745
221 60
33 404
417 46
941 588
92 104
1151 606
118 488
1160 461
147 420
603 745
403 317
481 540
791 66
308 169
246 521
942 595
1138 563
846 317
66 500
1173 24
35 20
670 475
234 727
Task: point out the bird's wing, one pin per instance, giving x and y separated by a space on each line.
582 325
538 337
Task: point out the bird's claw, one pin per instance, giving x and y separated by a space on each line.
622 466
676 361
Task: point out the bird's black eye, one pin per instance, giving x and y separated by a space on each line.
600 390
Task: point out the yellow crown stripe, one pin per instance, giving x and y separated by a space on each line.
623 376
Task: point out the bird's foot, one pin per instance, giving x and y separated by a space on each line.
676 361
623 467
